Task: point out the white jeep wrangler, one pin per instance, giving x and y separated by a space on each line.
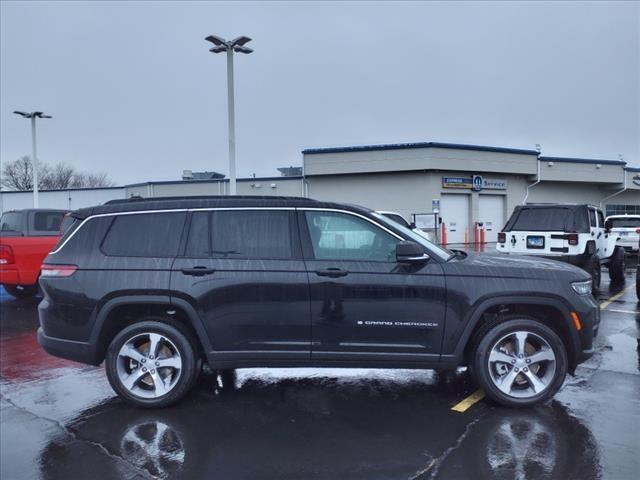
576 234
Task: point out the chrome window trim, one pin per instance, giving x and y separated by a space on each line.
206 209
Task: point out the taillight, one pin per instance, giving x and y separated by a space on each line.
637 230
57 270
502 237
572 238
6 255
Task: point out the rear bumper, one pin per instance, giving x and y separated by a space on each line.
9 276
71 350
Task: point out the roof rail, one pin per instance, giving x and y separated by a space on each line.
137 199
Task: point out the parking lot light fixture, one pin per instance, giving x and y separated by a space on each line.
236 45
34 153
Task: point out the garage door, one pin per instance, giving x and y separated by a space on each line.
454 210
491 214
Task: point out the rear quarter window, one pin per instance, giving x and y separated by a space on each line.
144 235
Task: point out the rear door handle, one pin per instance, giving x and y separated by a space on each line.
198 271
332 272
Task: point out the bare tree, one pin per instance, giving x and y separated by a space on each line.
18 175
58 177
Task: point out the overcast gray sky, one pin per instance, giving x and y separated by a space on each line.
134 91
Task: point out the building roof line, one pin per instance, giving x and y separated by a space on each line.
581 160
404 146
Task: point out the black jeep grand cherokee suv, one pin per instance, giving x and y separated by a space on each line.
154 287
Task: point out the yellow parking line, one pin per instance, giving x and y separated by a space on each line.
465 404
606 303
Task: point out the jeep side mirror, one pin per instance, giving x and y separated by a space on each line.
607 225
409 252
412 225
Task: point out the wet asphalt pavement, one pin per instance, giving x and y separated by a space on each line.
61 420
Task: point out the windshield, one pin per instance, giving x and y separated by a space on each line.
441 253
625 222
11 222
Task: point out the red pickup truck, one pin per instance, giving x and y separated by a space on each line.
26 237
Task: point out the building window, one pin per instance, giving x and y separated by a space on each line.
622 209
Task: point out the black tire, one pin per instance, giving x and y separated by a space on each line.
617 265
184 344
592 267
21 291
511 324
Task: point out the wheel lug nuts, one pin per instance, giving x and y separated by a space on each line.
157 364
150 357
517 369
144 369
525 369
153 372
528 360
144 360
513 361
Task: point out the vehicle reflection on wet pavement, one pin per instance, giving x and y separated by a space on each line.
61 419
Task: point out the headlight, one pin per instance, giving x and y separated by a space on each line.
582 288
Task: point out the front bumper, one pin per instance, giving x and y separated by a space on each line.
589 313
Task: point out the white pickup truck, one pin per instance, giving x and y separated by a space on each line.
577 234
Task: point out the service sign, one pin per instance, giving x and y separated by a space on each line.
476 183
493 184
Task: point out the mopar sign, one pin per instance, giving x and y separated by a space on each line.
476 184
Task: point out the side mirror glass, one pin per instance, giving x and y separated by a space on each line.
410 252
607 225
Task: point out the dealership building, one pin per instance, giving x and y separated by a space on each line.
472 188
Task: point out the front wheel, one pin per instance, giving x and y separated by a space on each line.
520 362
151 363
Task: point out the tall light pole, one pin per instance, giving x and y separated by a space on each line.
235 45
34 152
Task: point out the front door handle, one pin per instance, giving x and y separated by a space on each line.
198 271
332 272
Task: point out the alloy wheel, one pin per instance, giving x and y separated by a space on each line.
149 365
522 364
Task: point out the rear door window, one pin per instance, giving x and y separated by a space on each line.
592 218
144 235
241 234
47 223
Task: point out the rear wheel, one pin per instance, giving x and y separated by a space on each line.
592 267
520 362
152 363
22 291
617 265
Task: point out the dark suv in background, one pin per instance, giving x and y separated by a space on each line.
154 287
